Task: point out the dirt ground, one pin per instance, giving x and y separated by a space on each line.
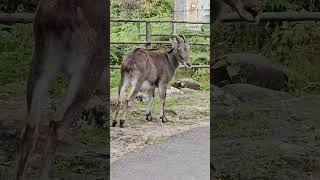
274 137
185 109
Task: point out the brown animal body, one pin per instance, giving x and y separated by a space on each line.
254 69
147 69
70 36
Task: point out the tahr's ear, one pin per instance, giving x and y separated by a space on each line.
174 42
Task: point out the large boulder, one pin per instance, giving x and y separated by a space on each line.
186 83
219 96
248 68
248 92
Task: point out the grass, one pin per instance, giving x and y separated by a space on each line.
254 125
5 170
62 163
69 162
160 139
136 114
91 137
315 121
78 164
175 105
253 128
264 103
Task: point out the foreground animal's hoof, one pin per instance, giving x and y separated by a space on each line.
105 125
164 119
121 123
148 117
114 123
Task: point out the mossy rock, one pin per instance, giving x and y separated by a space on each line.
186 83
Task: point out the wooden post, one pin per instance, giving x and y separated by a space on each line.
139 30
174 29
148 34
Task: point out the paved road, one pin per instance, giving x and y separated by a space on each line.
185 156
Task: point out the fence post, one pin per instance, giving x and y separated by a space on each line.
148 34
174 30
139 30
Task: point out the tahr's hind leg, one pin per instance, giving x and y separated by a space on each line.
30 132
81 87
136 85
124 82
36 96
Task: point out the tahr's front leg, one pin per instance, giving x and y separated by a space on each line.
149 106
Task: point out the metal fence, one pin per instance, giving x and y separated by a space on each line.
148 34
265 17
233 17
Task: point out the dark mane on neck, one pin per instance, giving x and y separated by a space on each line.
170 50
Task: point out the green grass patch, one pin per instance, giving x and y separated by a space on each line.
160 139
5 170
264 103
270 152
78 164
254 128
93 137
315 121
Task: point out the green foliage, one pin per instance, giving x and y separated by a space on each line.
5 169
292 45
15 52
141 9
10 6
275 5
288 5
114 79
150 9
296 47
203 77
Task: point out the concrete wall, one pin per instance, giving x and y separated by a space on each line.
192 10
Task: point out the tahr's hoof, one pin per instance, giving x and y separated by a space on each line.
114 123
148 117
164 119
121 123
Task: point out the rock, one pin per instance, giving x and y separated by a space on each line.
220 96
186 83
248 68
173 90
248 92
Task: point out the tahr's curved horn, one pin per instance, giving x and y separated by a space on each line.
178 38
184 38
